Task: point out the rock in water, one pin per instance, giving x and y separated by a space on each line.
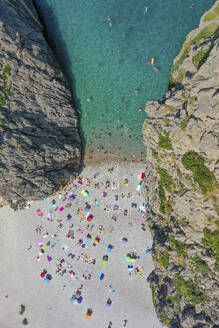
40 147
181 184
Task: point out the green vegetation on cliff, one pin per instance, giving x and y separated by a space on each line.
200 265
5 90
201 57
165 181
204 34
211 240
164 260
190 290
155 154
185 122
212 14
5 72
179 246
164 140
202 175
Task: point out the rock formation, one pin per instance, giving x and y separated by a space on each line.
182 189
40 147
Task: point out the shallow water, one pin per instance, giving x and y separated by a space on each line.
103 46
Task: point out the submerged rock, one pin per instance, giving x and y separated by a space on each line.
40 146
181 185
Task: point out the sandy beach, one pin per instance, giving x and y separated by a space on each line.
55 237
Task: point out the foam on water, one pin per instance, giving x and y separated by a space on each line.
103 46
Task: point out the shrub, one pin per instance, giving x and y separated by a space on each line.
212 14
202 175
184 55
164 141
190 290
179 246
205 33
161 194
166 180
6 71
7 90
170 109
185 122
166 121
200 265
175 299
155 154
211 240
199 59
153 289
205 179
192 160
180 76
2 100
165 260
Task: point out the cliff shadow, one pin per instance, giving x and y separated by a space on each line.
54 38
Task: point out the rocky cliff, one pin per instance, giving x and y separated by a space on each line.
182 189
40 147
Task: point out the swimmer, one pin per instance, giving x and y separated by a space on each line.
146 10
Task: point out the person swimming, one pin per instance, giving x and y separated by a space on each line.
146 10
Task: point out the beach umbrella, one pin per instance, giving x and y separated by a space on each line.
105 257
89 313
80 299
48 276
78 294
42 274
109 248
46 281
109 302
90 217
100 275
128 259
84 193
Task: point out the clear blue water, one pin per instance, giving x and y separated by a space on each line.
103 46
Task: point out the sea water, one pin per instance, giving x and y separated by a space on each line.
103 47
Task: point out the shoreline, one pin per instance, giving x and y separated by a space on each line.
92 159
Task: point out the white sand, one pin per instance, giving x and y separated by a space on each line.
49 305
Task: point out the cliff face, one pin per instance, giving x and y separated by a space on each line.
39 140
182 189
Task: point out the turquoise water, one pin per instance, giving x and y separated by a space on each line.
103 46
